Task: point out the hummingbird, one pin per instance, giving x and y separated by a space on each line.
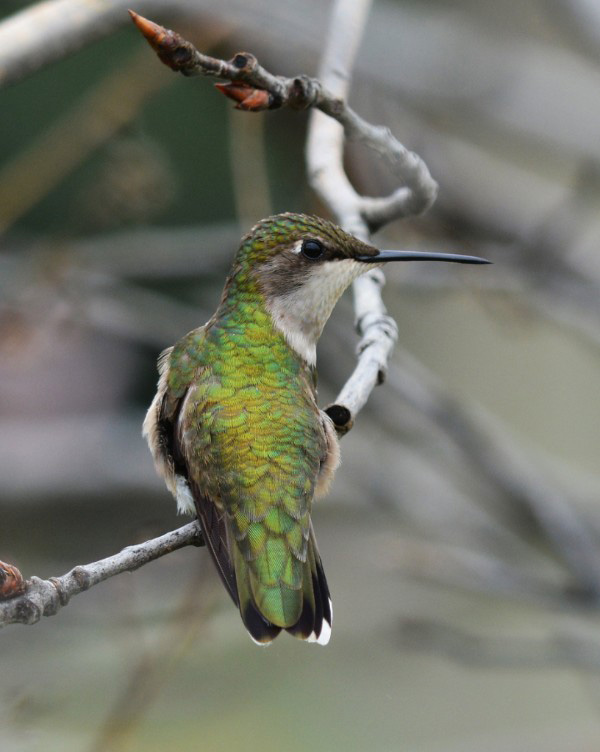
235 429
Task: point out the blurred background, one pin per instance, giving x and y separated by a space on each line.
462 537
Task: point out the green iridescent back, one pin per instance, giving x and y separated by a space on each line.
254 440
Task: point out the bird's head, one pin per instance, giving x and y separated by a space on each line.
302 264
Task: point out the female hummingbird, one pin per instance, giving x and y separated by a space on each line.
235 430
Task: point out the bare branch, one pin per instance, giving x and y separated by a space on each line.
254 88
153 666
325 152
582 18
47 597
38 35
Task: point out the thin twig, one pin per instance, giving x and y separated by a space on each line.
324 154
254 88
47 597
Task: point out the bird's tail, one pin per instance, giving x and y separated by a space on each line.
310 603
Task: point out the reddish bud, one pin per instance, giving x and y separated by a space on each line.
246 97
172 49
11 581
154 33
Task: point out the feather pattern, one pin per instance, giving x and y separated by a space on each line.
235 426
251 450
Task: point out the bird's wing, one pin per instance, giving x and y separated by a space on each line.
183 372
246 450
190 417
216 535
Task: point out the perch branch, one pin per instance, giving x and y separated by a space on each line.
46 597
359 214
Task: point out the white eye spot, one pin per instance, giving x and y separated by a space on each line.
297 247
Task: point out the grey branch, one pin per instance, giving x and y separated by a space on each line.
359 214
47 597
255 88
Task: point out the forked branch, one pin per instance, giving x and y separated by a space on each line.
253 88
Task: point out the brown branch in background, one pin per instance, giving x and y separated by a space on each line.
80 131
494 453
472 570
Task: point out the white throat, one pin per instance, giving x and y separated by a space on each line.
302 313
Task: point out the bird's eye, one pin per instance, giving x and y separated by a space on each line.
312 249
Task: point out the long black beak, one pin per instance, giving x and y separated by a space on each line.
383 256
